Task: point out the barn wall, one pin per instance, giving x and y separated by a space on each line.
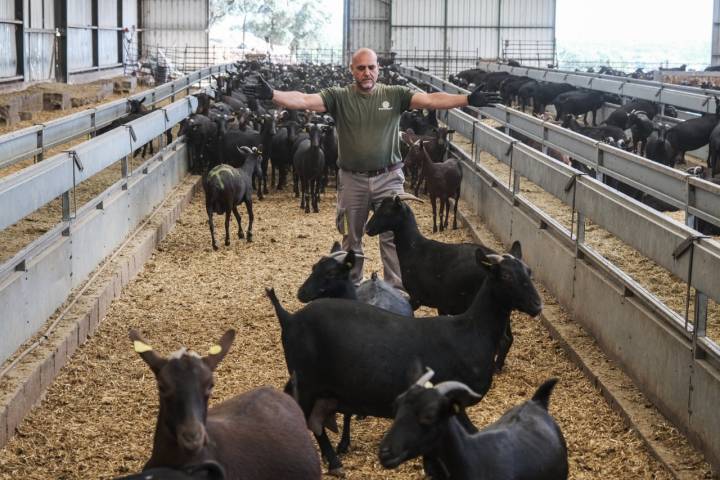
8 40
716 34
367 24
449 35
175 23
39 25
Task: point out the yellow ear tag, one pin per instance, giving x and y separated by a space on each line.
487 264
428 384
141 347
215 349
456 407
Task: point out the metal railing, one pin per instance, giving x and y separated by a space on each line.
62 258
648 231
697 197
631 324
34 141
686 98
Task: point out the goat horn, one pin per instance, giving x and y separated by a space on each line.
425 377
340 255
445 387
494 258
408 196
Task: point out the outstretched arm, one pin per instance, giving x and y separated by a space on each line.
299 100
442 100
292 100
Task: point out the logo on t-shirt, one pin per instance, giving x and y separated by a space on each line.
385 106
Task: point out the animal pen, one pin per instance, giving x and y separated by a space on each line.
97 241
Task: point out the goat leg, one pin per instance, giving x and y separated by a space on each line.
442 214
434 209
212 229
335 467
344 445
239 222
227 228
457 199
251 217
504 345
315 193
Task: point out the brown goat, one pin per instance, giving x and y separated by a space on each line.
260 434
443 181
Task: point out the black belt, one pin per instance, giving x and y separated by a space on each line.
375 173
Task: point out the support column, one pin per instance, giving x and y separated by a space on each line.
61 43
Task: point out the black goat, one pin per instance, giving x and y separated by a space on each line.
258 434
281 153
357 354
619 117
330 278
443 182
641 126
225 188
603 133
578 103
524 444
435 274
693 134
309 164
200 471
658 149
545 93
136 110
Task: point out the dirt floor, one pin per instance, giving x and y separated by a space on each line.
96 420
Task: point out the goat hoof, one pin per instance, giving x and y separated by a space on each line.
337 472
215 247
249 237
227 243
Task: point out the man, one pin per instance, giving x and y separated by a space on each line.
367 115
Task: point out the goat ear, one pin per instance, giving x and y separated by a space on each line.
516 250
335 247
146 352
460 395
141 101
349 261
218 352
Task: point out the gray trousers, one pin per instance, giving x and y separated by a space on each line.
358 194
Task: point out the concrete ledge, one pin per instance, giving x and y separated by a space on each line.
24 386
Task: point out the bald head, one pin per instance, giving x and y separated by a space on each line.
361 53
364 69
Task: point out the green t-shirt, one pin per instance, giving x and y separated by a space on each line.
367 125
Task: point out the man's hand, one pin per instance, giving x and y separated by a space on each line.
260 90
482 99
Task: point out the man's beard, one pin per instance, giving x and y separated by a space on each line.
359 84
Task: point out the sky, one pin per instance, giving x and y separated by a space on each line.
661 25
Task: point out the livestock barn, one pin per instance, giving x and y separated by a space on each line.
557 316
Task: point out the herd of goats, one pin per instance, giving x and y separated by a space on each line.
358 350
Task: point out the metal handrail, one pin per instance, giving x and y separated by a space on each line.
33 141
672 186
690 98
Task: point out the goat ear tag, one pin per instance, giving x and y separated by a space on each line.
215 349
428 384
487 264
141 347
